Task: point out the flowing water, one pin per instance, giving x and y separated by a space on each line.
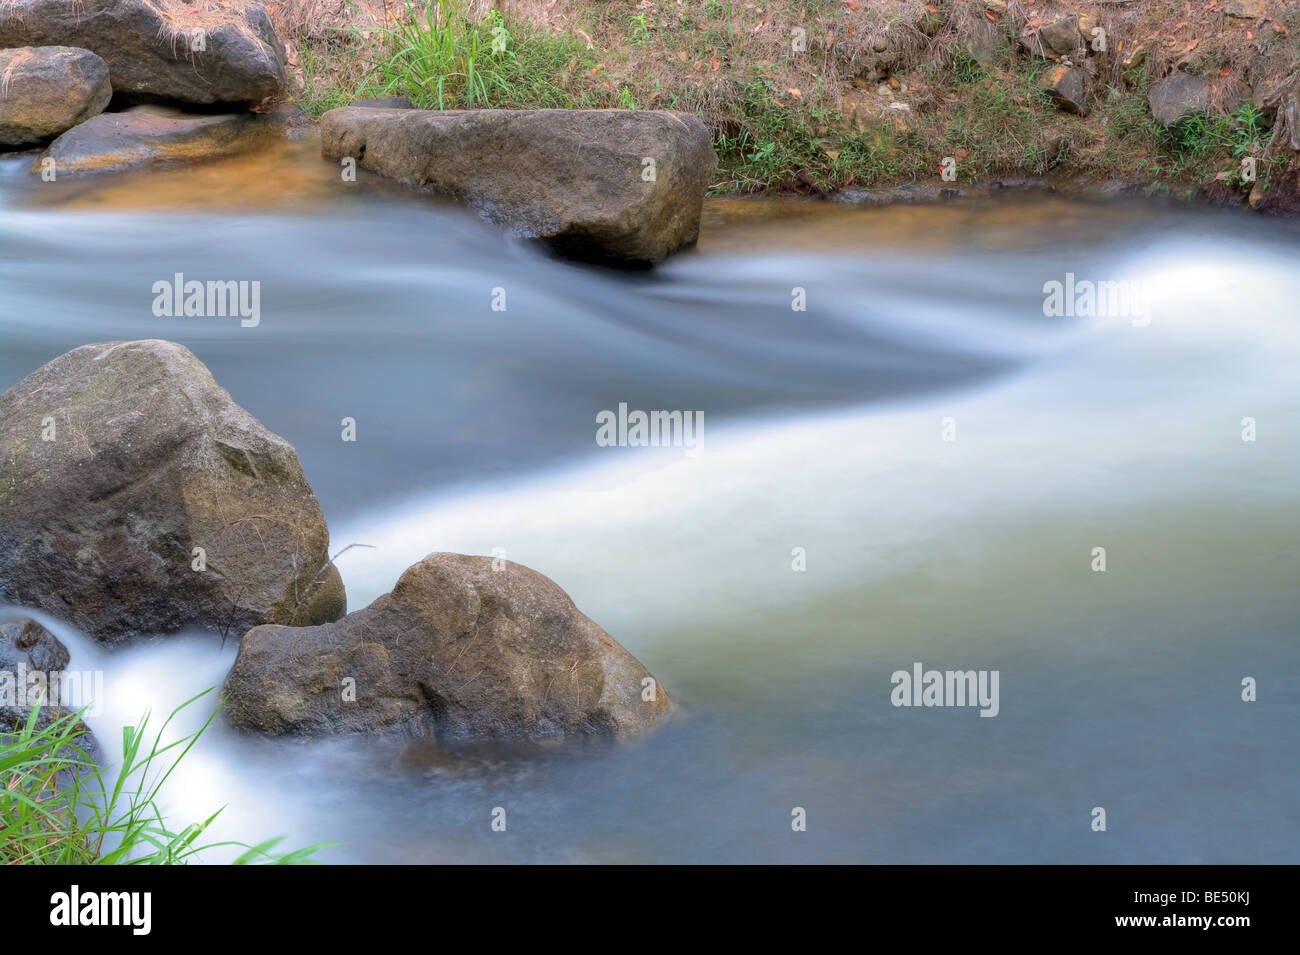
824 430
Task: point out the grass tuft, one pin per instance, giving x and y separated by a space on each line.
57 807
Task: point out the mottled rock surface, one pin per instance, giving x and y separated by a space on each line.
146 135
116 461
153 47
45 90
463 648
623 186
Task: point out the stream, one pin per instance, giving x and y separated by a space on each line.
946 456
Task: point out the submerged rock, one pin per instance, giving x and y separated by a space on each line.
146 135
32 661
1176 96
624 186
117 460
160 47
461 649
45 90
32 645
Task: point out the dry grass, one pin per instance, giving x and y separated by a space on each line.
181 16
15 61
787 119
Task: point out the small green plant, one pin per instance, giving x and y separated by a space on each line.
640 34
1202 134
57 807
762 156
445 58
1249 131
965 68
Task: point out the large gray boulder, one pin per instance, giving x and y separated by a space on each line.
117 460
47 89
464 648
148 135
162 48
1176 96
624 186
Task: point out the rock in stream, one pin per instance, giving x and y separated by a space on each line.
137 498
611 185
463 649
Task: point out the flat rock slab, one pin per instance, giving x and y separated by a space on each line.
45 90
466 649
117 460
161 47
145 135
621 186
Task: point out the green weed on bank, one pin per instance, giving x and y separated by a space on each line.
58 808
444 57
